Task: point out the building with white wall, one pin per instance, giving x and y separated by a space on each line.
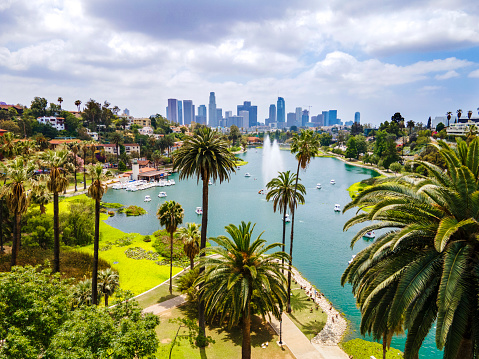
56 122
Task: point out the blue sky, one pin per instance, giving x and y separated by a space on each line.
420 58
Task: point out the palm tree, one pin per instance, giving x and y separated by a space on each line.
469 114
449 114
281 191
305 146
204 156
60 100
40 192
75 148
96 191
117 139
190 235
77 104
8 147
19 171
410 125
171 216
425 263
459 114
57 183
242 271
108 283
85 147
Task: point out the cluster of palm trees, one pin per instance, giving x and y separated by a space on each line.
423 269
459 115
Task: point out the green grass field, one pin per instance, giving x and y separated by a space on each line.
362 349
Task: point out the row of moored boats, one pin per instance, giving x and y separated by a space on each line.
139 185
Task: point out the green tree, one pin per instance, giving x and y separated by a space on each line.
77 104
305 146
282 191
19 172
108 283
57 182
351 148
440 126
40 194
395 167
191 236
204 156
410 125
239 271
423 268
171 216
75 148
325 139
117 139
234 134
38 107
96 191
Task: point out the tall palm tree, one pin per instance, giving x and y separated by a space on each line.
305 146
96 191
77 104
108 283
8 147
171 216
459 114
240 271
204 156
85 147
18 171
281 191
469 114
410 125
60 100
57 183
190 235
449 114
426 261
117 139
75 148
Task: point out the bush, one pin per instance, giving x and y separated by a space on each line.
147 239
122 166
185 284
111 213
362 349
38 231
78 225
133 211
111 205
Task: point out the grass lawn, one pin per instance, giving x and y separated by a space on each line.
309 323
362 349
136 275
227 342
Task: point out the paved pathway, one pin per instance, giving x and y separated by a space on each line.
167 304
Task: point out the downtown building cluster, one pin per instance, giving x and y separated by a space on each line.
183 113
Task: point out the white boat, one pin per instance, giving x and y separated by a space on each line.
172 182
162 183
117 186
370 235
147 198
210 183
318 186
332 181
352 258
337 208
162 194
286 218
247 174
199 210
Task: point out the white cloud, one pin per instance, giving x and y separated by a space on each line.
448 75
474 74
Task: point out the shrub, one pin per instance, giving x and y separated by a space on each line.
38 230
147 239
133 211
185 285
78 225
111 213
111 205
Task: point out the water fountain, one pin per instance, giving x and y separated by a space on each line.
272 161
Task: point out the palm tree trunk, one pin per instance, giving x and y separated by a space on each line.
293 211
385 349
106 300
84 170
75 172
283 248
1 227
42 208
204 224
16 237
96 245
192 263
171 263
246 345
56 235
117 152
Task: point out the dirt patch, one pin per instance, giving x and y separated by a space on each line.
8 250
165 341
165 314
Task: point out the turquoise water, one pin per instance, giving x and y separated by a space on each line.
321 248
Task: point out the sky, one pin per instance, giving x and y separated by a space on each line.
378 57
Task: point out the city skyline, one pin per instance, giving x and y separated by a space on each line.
376 58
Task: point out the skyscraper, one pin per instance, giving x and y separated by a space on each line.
202 110
246 119
219 116
291 119
272 113
333 117
357 117
188 112
298 115
305 118
281 112
252 110
325 118
180 112
172 113
212 111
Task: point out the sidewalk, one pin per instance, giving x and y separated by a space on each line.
167 304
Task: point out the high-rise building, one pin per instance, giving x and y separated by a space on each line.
228 114
200 120
246 119
291 119
188 112
281 111
325 118
172 113
212 111
202 110
252 110
180 112
304 118
272 113
298 115
357 117
126 112
219 116
333 117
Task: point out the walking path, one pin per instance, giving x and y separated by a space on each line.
159 308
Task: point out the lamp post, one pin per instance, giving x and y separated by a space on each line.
281 327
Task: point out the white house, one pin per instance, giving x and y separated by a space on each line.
461 129
147 131
56 122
